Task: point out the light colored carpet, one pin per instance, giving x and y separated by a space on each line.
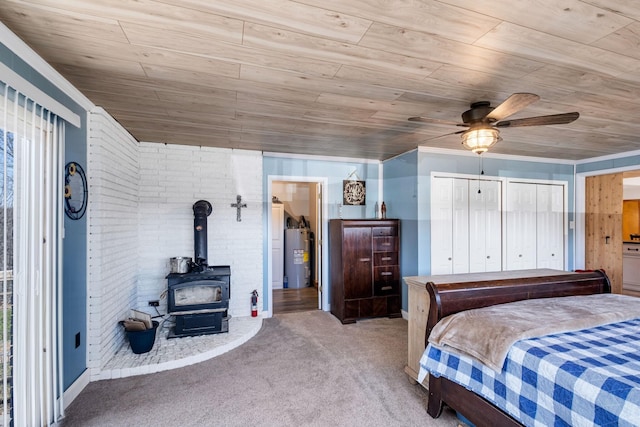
301 369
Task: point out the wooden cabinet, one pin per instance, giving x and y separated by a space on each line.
364 264
418 313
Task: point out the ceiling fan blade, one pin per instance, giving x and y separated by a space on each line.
553 119
435 121
511 105
442 136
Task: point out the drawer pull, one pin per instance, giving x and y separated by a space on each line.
386 273
634 249
365 259
386 288
386 244
386 258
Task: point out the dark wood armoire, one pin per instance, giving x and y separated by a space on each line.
365 272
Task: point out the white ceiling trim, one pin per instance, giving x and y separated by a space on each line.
611 157
495 156
18 83
28 55
321 158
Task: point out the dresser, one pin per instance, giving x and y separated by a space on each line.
365 272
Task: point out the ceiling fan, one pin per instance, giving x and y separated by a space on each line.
483 121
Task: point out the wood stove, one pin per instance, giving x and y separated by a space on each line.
199 299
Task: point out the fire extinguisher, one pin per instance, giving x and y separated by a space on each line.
254 303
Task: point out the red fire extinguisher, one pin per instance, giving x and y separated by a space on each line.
254 303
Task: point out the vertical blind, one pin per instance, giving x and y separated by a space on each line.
31 208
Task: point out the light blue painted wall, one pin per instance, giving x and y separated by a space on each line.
335 172
75 241
400 193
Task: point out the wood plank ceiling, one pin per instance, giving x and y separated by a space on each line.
341 77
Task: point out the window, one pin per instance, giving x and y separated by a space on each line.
30 241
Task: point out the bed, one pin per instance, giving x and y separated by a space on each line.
523 386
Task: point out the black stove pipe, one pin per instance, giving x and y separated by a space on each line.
201 210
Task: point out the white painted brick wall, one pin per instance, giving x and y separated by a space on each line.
140 215
113 229
172 179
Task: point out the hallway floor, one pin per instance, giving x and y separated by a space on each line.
294 300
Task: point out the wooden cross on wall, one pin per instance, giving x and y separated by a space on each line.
238 205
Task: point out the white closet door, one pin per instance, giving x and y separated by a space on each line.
460 226
441 225
485 226
550 226
277 245
477 232
492 191
521 226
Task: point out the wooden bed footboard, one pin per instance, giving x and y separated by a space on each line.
450 298
475 408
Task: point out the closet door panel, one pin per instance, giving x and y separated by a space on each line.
550 226
492 191
485 226
477 220
441 225
460 244
521 226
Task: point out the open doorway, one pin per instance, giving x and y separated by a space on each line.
631 233
295 257
608 224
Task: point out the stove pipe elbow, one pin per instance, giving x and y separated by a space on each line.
201 210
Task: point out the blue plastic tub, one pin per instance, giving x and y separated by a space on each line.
142 341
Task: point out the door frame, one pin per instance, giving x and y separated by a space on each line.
323 183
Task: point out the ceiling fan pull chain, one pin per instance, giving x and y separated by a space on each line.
480 172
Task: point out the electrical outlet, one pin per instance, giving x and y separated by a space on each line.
154 303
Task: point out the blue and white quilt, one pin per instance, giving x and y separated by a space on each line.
581 378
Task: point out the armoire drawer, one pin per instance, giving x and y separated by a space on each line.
385 258
386 280
385 244
384 231
386 288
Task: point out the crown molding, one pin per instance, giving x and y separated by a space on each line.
320 158
609 157
490 155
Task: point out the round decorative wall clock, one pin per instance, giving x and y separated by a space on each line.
75 190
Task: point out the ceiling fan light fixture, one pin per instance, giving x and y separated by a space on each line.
480 140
